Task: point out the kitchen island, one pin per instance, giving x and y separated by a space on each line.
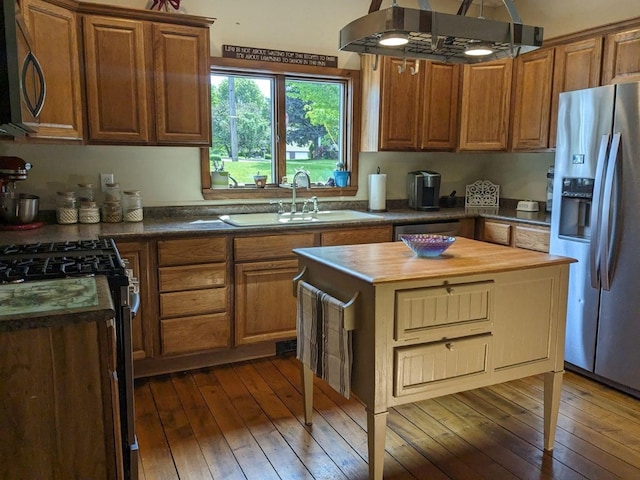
477 315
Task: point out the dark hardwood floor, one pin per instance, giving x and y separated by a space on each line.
246 421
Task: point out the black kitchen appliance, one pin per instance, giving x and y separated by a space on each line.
51 260
423 190
22 83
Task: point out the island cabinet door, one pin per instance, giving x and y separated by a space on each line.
525 319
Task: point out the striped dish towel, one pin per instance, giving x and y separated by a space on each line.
323 344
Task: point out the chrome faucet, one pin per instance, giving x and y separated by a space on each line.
293 188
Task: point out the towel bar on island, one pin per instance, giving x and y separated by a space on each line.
348 307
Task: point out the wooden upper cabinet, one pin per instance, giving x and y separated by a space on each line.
486 95
54 40
532 81
441 98
400 105
116 66
576 66
181 76
408 110
621 61
147 82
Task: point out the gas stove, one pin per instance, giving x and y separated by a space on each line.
43 261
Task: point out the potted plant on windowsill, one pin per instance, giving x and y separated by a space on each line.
260 180
219 178
341 175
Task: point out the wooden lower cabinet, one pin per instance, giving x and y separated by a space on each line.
265 306
514 234
59 413
193 295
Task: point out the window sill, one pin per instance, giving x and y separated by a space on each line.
276 192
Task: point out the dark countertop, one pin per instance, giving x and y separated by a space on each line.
51 303
207 223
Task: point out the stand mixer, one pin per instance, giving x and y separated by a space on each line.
23 208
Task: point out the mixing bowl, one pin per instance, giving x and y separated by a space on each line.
21 210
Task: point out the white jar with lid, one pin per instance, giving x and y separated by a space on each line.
132 206
66 208
88 212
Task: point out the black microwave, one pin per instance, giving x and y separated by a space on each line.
22 83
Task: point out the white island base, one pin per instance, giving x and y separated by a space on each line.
478 315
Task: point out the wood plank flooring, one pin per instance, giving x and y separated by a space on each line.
246 421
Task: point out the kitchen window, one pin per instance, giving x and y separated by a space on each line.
276 120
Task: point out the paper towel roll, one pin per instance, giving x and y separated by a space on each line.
377 192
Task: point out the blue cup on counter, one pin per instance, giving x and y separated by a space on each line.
341 177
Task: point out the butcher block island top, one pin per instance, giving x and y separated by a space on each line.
390 262
419 328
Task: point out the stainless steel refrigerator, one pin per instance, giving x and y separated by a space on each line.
596 220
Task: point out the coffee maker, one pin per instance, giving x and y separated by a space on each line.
423 190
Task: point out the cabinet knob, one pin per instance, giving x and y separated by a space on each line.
449 346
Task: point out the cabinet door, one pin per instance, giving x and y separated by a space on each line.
486 94
400 110
441 93
621 57
142 327
265 305
531 237
182 86
54 41
576 66
496 232
116 66
533 77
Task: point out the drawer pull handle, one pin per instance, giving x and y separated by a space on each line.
449 290
449 346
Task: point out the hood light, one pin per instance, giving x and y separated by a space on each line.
393 39
479 50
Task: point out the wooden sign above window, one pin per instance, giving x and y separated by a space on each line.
279 56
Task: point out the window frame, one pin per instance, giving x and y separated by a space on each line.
352 130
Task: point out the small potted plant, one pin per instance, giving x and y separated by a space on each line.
260 180
219 178
341 175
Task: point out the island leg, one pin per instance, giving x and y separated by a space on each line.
376 433
307 393
552 392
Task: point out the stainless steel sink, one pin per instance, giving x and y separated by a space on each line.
255 219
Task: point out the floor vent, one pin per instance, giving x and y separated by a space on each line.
286 346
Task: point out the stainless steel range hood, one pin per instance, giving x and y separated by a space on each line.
439 36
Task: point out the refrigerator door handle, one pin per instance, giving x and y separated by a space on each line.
596 212
607 199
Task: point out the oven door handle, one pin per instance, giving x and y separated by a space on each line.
135 303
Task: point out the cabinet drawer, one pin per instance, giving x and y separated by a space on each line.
192 250
270 246
180 335
417 368
531 238
351 237
497 233
193 276
193 302
444 310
